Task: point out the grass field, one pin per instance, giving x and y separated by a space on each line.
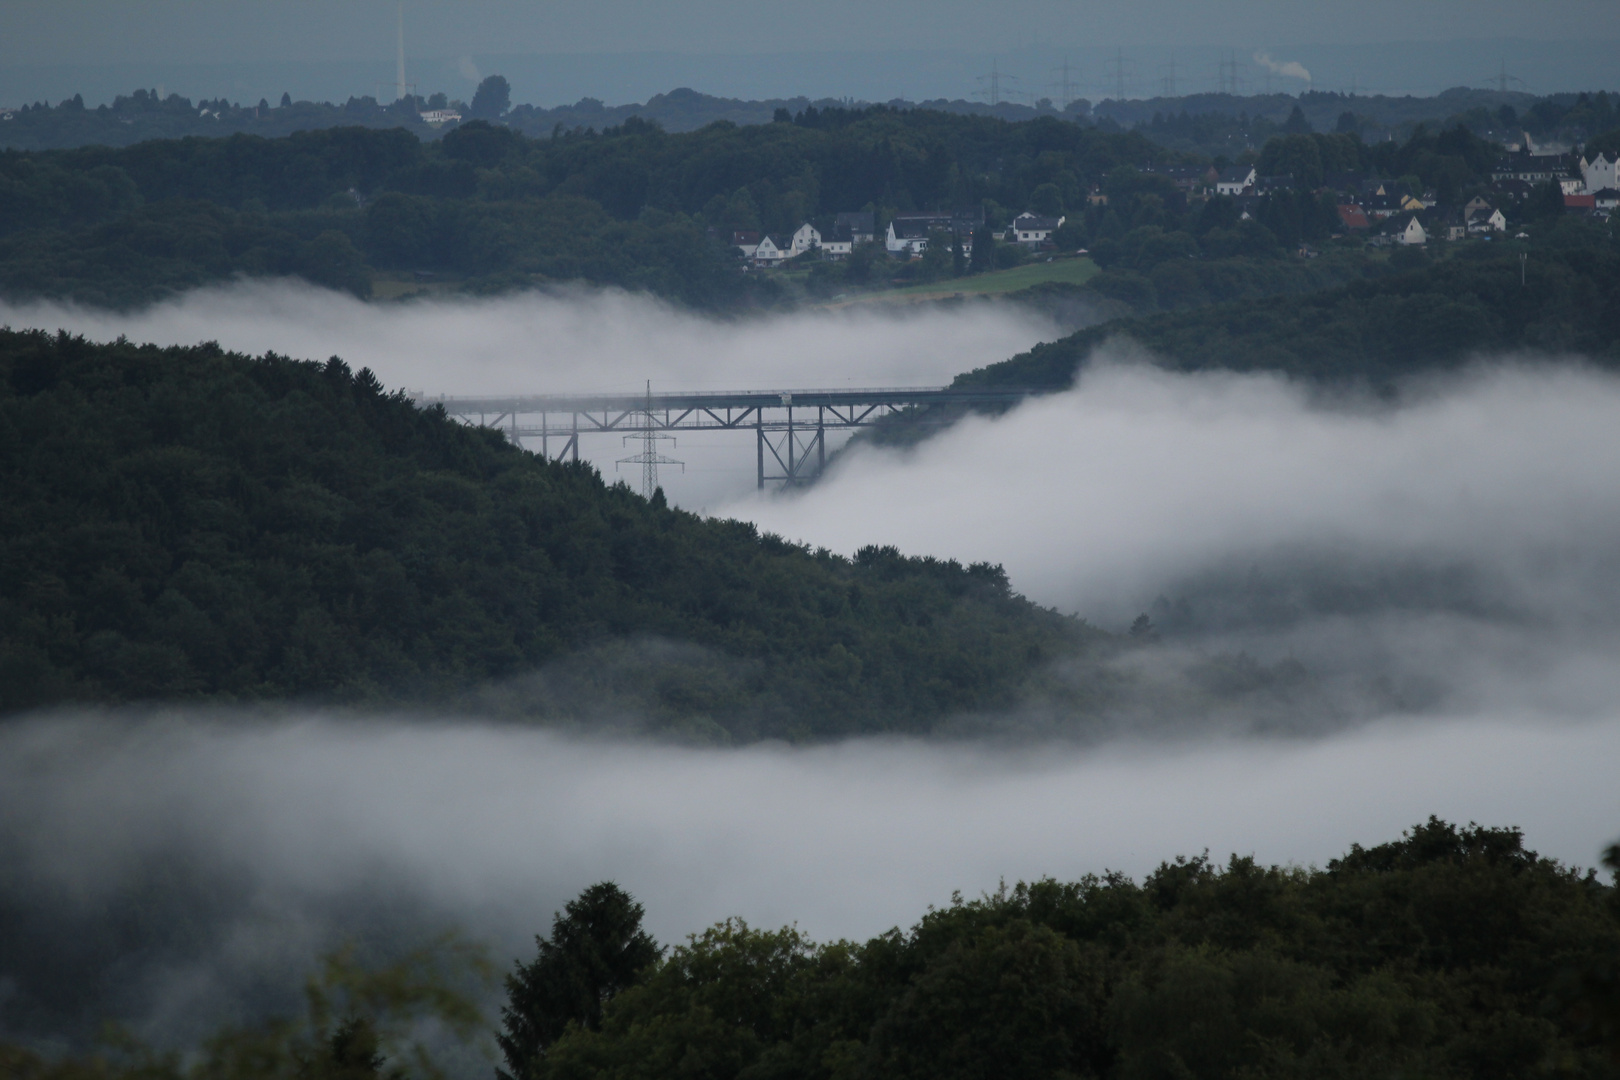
1073 271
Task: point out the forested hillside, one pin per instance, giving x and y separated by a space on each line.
190 525
490 208
1562 299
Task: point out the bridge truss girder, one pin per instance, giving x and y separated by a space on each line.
790 429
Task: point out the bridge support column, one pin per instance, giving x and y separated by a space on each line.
759 445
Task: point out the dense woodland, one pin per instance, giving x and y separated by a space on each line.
488 208
1451 953
187 525
1562 298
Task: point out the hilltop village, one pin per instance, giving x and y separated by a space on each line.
1380 211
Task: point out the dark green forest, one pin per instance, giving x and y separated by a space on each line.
1450 953
1561 298
490 208
188 525
487 208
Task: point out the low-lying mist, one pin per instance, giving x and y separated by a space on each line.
572 340
1443 571
176 870
1459 550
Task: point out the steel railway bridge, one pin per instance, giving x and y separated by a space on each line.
790 426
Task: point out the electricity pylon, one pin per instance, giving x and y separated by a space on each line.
649 459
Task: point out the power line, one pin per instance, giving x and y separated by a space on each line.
992 92
1065 87
1502 78
1117 68
1167 80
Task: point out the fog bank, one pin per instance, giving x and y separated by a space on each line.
269 837
577 340
1468 539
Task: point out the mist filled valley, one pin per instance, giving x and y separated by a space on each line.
1197 661
1309 618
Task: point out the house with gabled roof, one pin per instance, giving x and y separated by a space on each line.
807 236
907 236
1032 230
862 225
1234 180
1484 219
1600 172
772 250
1353 217
839 243
1404 229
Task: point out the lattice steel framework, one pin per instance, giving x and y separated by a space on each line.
790 426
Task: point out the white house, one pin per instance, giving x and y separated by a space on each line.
840 244
771 251
1032 229
1234 179
746 241
440 116
1486 219
1411 233
907 237
807 237
1599 173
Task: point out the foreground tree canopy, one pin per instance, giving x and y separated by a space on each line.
1451 953
188 524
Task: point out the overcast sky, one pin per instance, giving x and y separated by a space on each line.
119 31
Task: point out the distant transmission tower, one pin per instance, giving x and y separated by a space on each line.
1226 78
1502 78
1167 83
1065 87
1117 74
649 459
992 91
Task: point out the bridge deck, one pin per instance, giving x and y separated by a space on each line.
721 399
790 426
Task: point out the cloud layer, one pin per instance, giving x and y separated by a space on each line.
578 341
312 828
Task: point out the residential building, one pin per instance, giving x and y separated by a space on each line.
1600 172
1234 179
772 250
1484 219
1405 229
806 237
839 243
1032 230
862 225
746 241
1534 168
1353 217
907 236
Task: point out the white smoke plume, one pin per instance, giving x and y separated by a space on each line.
1291 69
